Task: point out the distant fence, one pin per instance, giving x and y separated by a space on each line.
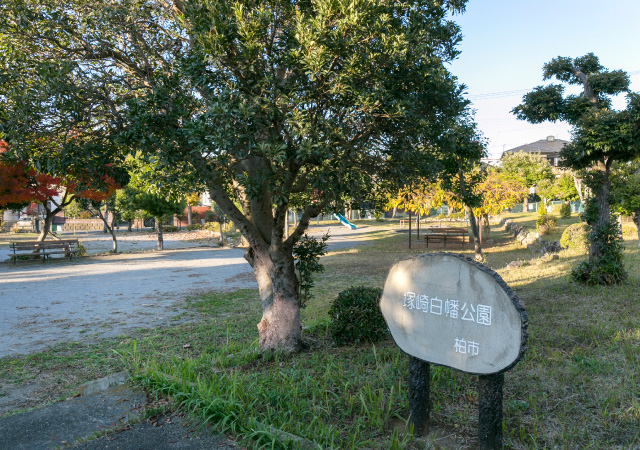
76 225
576 207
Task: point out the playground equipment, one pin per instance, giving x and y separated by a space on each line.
344 221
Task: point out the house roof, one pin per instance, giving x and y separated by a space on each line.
550 145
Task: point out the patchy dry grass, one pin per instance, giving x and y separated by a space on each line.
577 387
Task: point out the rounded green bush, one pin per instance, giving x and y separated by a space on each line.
565 210
356 317
546 223
575 237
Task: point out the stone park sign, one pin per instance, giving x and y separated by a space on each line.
445 309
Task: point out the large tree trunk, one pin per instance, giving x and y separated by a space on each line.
46 226
221 241
189 215
486 226
475 235
270 254
159 234
280 327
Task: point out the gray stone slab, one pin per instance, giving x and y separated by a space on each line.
70 421
446 309
167 433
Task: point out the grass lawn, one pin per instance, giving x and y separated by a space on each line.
577 387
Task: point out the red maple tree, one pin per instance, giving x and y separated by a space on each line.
21 185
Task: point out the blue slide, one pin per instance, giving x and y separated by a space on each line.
344 221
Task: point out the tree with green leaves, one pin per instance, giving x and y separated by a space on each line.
566 188
464 148
159 208
159 192
625 188
531 168
601 136
497 191
125 206
261 102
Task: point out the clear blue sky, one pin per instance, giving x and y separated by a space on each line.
506 43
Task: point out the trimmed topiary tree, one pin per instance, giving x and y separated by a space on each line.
575 237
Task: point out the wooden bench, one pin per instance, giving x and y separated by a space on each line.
444 234
35 249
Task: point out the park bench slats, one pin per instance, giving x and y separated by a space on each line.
444 234
35 249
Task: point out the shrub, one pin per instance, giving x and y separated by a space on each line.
193 227
211 226
575 237
605 265
546 223
82 251
210 216
169 228
356 316
565 210
307 253
609 268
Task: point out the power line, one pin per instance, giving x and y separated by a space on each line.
492 95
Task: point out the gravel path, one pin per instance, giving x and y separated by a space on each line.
103 296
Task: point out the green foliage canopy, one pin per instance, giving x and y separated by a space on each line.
260 102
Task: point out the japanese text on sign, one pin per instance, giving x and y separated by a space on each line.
480 314
466 347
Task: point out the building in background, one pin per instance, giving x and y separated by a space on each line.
548 148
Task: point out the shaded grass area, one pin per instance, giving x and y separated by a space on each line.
577 387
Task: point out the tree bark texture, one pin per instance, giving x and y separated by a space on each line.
109 228
269 252
159 234
280 327
486 225
46 227
475 235
189 215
